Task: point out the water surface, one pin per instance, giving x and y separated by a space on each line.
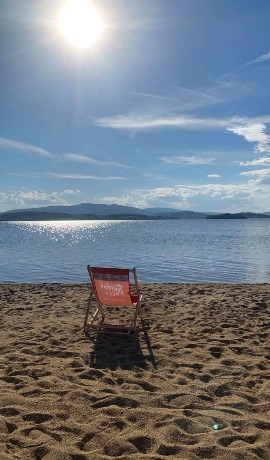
162 251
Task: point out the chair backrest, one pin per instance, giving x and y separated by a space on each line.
111 285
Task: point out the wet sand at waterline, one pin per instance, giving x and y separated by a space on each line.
193 384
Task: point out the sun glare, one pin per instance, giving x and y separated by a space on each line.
80 23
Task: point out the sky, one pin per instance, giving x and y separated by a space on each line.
169 108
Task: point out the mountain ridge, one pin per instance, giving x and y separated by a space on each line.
105 210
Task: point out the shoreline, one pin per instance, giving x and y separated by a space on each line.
193 384
144 283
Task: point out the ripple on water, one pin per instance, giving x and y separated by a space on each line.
162 251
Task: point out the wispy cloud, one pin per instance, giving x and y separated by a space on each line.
83 176
253 129
213 176
178 98
259 162
9 144
175 97
153 176
150 122
263 58
30 175
183 122
253 132
85 159
188 160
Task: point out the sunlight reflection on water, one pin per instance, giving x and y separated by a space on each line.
70 231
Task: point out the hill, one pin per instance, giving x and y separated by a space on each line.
98 211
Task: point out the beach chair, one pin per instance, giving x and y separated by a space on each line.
111 287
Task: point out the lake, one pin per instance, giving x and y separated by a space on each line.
162 251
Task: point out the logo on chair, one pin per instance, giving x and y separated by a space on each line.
112 290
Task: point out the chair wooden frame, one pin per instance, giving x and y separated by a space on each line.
111 287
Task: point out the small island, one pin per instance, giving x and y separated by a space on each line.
238 215
227 215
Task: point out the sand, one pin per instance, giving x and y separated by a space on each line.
193 384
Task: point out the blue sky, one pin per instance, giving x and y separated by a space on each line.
171 107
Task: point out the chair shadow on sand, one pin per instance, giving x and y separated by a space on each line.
115 351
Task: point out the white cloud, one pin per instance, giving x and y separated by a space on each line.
34 197
254 132
213 175
83 176
250 190
251 195
191 191
23 197
259 162
10 144
189 160
84 159
70 192
3 197
126 200
257 172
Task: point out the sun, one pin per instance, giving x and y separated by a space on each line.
80 23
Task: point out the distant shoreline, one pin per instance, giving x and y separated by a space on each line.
38 216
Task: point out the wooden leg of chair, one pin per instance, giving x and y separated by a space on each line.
98 310
140 307
102 313
88 309
94 315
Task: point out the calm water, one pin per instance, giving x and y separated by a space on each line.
162 251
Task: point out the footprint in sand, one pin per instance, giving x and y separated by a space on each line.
222 390
206 378
228 440
41 432
37 417
119 448
116 401
9 411
85 440
6 427
168 450
262 425
143 443
189 426
216 352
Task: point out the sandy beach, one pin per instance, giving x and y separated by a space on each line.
194 383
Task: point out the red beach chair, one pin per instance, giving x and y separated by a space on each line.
111 287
